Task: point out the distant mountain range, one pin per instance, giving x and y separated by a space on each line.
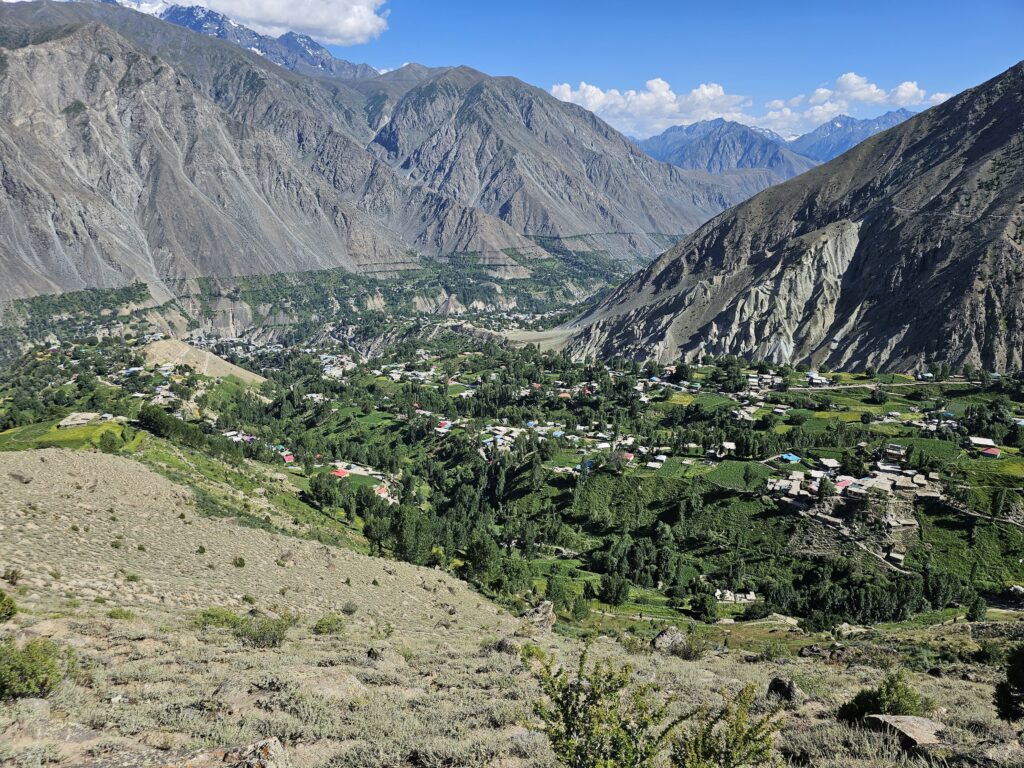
905 249
722 145
719 145
842 133
158 154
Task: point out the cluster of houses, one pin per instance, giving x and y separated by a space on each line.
888 476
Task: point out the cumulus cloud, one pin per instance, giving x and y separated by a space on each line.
657 106
338 22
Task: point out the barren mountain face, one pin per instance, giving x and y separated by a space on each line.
135 150
906 248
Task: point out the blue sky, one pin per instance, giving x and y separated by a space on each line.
788 65
757 52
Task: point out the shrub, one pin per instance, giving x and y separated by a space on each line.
893 696
110 442
12 576
7 607
1009 693
254 631
220 618
263 631
773 650
31 671
329 624
120 613
238 562
693 648
349 608
596 718
729 738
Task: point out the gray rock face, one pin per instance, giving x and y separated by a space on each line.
135 150
906 248
540 619
545 167
667 639
720 145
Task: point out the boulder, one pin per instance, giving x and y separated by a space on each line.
810 651
509 645
667 639
541 618
783 689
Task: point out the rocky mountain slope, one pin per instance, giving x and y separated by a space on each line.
133 149
543 166
831 139
719 145
906 248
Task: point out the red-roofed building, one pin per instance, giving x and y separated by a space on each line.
991 453
340 473
288 458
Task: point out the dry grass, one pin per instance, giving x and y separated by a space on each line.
398 681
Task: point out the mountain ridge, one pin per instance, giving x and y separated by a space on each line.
834 137
845 264
718 145
301 191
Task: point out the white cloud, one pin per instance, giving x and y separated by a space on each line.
339 22
907 94
657 106
854 87
820 95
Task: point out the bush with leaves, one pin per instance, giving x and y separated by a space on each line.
31 671
729 738
329 624
893 696
110 442
596 717
7 607
1009 694
263 631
